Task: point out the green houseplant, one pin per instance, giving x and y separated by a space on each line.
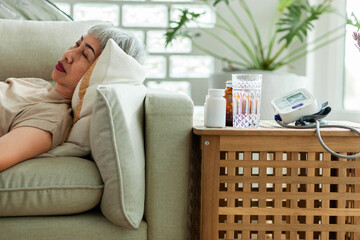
238 32
293 20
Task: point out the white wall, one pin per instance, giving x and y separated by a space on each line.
326 68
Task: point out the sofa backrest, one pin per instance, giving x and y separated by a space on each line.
33 48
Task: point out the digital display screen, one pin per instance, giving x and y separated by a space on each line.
296 98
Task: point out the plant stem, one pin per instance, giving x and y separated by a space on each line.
218 56
248 12
244 28
311 50
295 51
272 38
281 49
233 32
242 43
226 44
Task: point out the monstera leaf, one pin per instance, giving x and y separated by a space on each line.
298 19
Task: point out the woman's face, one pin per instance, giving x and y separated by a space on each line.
76 61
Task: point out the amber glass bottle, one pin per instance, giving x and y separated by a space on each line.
229 109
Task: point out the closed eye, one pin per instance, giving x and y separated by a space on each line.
83 53
85 56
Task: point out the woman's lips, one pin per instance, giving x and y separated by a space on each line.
60 67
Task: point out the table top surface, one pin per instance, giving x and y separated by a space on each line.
270 127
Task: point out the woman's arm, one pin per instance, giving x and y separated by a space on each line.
21 144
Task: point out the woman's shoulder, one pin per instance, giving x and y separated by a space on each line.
31 82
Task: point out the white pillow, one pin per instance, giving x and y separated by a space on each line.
112 66
117 146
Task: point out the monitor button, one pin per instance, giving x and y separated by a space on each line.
297 106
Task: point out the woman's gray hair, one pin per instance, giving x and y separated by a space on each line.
126 41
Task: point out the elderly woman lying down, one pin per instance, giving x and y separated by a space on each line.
36 117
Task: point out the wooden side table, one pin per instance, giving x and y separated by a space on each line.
274 183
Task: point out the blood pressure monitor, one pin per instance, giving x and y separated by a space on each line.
300 106
294 105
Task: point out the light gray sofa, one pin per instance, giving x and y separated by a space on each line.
167 118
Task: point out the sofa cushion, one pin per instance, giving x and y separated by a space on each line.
90 225
50 186
33 48
42 10
117 144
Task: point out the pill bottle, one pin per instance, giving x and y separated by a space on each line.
205 109
229 108
215 108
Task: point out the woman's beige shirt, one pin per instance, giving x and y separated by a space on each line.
33 102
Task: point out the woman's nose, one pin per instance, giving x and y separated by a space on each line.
66 57
62 58
70 55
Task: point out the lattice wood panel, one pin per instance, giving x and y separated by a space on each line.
288 195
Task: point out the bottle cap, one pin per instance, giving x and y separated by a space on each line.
216 92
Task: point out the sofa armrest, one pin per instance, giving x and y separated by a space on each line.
168 127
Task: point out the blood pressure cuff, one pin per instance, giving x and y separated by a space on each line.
323 112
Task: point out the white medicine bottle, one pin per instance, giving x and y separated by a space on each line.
215 108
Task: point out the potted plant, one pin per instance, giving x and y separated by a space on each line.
287 43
